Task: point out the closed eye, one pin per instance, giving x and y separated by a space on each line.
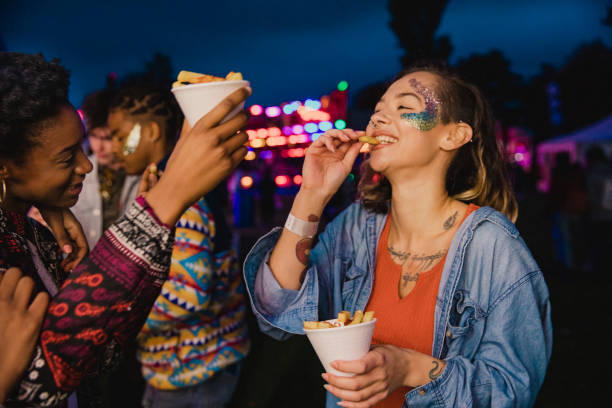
68 160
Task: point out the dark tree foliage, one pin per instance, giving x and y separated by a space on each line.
415 25
157 71
537 103
585 85
607 21
504 89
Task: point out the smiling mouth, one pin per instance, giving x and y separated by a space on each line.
384 139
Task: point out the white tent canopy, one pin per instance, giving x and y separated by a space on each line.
576 144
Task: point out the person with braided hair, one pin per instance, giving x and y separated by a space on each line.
195 337
98 305
107 190
463 311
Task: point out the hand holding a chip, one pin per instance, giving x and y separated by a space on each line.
329 160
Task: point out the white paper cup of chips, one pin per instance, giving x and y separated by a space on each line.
341 343
196 100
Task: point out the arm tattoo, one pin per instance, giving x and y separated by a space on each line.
302 250
450 221
434 372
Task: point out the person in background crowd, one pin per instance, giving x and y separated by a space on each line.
462 308
195 337
107 191
599 225
568 202
103 303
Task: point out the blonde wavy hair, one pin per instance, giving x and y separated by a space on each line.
477 173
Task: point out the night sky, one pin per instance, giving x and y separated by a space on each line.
288 50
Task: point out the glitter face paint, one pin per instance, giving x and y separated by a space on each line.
427 119
132 141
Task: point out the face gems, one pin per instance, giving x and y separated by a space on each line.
132 141
427 119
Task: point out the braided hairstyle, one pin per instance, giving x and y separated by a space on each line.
95 108
32 92
151 102
477 173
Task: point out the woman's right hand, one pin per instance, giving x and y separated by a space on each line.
203 156
329 160
20 322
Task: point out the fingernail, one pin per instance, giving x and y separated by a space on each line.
67 249
324 375
327 387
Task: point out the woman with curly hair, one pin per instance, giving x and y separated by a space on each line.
104 301
463 312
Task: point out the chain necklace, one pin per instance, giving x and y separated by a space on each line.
107 179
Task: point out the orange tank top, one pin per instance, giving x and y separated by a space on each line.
406 322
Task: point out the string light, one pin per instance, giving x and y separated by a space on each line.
246 182
256 110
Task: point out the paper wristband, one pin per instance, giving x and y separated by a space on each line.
301 227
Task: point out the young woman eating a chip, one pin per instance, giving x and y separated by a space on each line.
463 312
103 302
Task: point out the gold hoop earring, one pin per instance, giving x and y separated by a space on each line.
3 195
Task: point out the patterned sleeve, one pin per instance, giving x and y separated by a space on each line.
103 302
190 281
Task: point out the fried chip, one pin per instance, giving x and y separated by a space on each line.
369 140
344 316
233 76
357 317
367 316
311 325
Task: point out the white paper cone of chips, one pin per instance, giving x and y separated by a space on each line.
341 343
196 100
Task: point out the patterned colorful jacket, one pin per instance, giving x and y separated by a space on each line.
197 325
100 305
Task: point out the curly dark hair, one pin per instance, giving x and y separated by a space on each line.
151 102
32 91
96 107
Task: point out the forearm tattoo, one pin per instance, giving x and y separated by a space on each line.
436 371
302 248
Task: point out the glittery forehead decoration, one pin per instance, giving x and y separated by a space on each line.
427 119
132 141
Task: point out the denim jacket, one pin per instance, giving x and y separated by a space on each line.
492 316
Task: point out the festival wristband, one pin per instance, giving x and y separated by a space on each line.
301 227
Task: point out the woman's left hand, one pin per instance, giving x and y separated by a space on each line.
378 374
69 235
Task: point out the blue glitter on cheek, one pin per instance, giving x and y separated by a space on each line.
422 121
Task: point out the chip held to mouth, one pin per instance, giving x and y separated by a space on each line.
369 139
